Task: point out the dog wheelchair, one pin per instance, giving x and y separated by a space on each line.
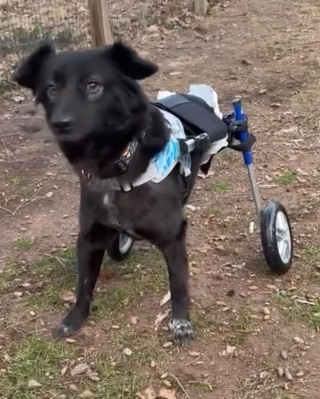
206 131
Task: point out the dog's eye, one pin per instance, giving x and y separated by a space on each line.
93 88
52 90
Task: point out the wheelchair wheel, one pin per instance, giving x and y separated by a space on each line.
120 246
276 235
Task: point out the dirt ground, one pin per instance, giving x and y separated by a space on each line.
256 334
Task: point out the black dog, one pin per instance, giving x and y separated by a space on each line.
96 110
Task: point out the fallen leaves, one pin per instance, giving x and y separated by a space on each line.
106 275
32 384
80 368
165 299
194 354
167 394
87 394
127 352
68 297
150 393
161 317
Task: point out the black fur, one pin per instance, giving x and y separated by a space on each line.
95 108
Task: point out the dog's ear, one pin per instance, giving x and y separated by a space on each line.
129 62
27 74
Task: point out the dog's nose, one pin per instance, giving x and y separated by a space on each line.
62 125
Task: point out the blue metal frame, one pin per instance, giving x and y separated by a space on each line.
247 156
240 116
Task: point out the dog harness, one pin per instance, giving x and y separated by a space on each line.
195 114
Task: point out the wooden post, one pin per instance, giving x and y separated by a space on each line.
99 23
200 6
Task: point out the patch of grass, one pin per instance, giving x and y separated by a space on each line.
119 381
10 273
20 188
23 244
42 359
285 178
221 186
311 253
35 358
294 311
122 376
243 325
204 320
214 211
118 297
59 274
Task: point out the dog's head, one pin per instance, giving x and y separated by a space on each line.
89 93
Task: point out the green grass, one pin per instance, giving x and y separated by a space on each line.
124 376
243 325
119 381
11 272
149 277
41 359
33 358
23 244
213 211
286 178
20 188
59 273
309 314
311 253
221 186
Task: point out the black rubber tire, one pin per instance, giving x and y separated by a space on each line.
269 239
114 250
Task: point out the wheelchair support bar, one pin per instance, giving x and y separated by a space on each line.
247 156
200 142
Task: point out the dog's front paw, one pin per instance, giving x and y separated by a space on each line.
182 330
69 326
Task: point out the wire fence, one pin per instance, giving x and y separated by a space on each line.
66 23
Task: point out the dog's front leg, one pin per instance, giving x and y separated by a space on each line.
89 264
175 253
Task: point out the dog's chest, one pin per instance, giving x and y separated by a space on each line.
104 196
112 212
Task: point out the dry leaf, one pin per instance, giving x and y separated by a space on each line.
68 296
194 354
167 394
161 318
80 368
106 274
165 299
148 393
33 384
127 352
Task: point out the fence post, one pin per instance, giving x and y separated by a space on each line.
99 23
200 6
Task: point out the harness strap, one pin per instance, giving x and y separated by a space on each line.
196 113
